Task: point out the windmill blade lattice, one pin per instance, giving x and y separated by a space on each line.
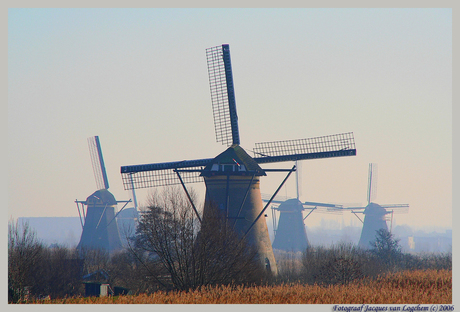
162 174
222 94
372 183
97 161
396 208
319 147
389 207
321 207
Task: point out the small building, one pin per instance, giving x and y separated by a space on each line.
97 285
94 289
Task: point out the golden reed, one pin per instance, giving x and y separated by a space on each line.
408 287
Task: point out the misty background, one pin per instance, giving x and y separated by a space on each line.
137 78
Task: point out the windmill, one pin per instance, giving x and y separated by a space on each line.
289 230
232 178
100 230
375 215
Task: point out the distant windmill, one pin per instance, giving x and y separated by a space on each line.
375 215
232 177
100 230
289 230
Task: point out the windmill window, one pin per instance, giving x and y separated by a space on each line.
267 264
215 167
228 168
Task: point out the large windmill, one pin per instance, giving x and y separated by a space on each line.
375 215
289 227
100 230
232 178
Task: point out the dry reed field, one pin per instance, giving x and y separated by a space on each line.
408 287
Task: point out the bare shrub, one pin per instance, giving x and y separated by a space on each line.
289 266
426 261
339 264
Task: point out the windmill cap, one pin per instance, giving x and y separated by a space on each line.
291 205
101 197
374 208
234 161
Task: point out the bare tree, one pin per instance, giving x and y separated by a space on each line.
182 253
24 256
126 271
59 274
165 238
95 259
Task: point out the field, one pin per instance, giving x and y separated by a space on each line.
408 287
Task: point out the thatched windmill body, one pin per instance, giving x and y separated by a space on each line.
288 217
98 220
375 215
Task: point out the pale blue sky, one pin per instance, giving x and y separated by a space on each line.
138 79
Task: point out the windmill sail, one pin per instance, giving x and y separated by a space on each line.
388 206
372 183
98 163
133 194
298 178
319 147
223 95
162 174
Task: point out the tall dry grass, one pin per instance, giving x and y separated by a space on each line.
408 287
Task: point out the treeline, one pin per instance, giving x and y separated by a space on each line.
37 271
345 263
174 250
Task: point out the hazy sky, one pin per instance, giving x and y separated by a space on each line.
137 78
